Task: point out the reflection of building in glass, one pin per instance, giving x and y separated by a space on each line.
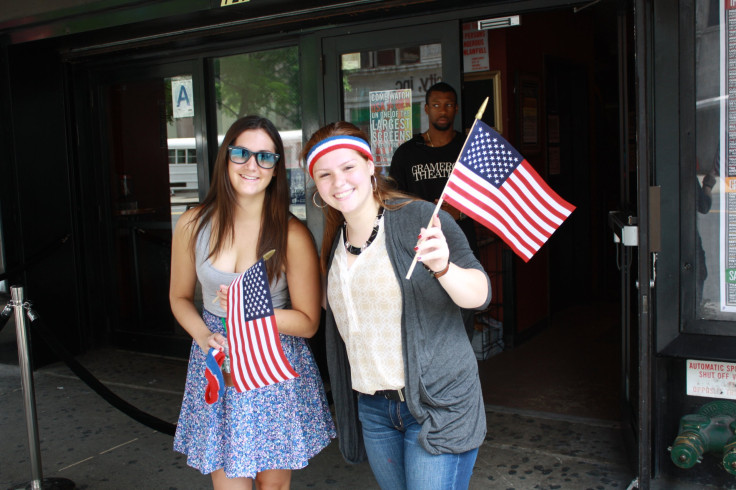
415 67
714 58
707 83
183 181
292 147
297 183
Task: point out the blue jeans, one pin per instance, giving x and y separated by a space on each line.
396 458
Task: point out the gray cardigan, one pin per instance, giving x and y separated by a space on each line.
443 390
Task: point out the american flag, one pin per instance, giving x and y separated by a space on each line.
256 356
493 184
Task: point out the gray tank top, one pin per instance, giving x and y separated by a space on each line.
210 279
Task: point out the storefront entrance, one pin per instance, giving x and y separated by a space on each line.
553 92
553 85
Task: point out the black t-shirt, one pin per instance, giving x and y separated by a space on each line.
422 170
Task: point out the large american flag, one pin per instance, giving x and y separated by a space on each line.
256 356
493 184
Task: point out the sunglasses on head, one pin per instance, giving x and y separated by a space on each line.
264 159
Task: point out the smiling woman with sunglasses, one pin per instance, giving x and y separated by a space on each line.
263 433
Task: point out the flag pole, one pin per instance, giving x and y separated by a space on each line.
478 115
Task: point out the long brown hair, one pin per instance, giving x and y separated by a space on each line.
217 207
383 191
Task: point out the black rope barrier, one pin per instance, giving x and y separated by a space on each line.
56 346
37 256
90 380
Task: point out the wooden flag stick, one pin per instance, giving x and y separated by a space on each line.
478 116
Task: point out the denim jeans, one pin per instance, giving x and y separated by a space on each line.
396 458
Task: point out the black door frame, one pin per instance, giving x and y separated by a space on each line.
645 255
99 234
634 257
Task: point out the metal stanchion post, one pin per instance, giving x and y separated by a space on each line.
26 378
29 399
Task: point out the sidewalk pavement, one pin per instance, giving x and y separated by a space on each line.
87 441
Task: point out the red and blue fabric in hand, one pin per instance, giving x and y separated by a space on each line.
215 382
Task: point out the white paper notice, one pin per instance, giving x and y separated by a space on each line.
711 379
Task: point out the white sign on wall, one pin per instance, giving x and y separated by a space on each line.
182 97
475 48
711 379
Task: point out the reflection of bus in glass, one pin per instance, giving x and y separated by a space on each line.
184 183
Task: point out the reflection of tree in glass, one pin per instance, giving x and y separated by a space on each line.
264 83
346 87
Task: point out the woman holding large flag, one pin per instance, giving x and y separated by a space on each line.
403 374
263 433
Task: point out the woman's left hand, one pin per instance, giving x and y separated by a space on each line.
432 247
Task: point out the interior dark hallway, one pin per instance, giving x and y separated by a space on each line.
570 368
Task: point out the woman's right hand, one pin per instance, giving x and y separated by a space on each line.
216 340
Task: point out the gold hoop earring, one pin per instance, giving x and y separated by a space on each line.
314 200
374 183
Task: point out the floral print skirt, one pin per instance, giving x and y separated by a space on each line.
280 426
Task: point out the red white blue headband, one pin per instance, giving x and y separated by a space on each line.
335 143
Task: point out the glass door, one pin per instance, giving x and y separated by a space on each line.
156 165
377 80
155 171
265 83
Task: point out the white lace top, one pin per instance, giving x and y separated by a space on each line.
366 301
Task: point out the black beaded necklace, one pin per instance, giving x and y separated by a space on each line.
357 250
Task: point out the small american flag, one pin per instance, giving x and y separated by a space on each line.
256 356
493 184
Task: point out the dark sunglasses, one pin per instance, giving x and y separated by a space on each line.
264 159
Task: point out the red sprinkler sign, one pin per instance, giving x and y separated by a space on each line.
711 379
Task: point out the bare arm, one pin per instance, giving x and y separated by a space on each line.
183 282
468 288
305 290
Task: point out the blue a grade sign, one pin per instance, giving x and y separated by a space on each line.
181 95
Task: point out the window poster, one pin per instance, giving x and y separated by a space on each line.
727 153
390 118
